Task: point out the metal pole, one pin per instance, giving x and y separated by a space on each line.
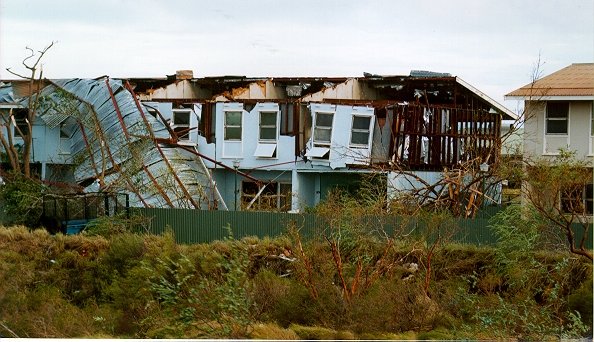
235 189
235 166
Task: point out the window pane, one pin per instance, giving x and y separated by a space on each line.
322 134
233 118
361 122
268 133
233 133
557 126
557 109
268 118
181 118
360 138
324 119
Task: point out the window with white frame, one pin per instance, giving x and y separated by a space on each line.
557 117
578 200
322 133
360 130
233 125
268 126
181 123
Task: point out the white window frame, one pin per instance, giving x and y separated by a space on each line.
555 135
547 119
225 125
183 126
360 130
261 126
315 140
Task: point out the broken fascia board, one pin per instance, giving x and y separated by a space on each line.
258 90
497 106
180 89
349 89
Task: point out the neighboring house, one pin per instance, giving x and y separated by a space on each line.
559 116
268 143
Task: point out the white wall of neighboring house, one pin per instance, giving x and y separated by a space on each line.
538 143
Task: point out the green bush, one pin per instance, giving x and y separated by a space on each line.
21 199
581 301
146 286
320 333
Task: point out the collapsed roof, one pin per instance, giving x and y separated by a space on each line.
118 147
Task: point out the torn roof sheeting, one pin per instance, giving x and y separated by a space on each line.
115 143
6 93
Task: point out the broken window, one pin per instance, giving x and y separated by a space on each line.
323 128
557 116
578 200
151 108
360 130
268 126
181 123
274 197
21 128
65 133
233 125
286 120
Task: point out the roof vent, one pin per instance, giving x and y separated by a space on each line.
424 73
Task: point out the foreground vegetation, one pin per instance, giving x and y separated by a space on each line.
346 285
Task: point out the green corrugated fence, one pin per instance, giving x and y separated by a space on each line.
200 226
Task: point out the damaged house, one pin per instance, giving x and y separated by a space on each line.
279 144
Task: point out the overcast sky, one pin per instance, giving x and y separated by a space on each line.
493 45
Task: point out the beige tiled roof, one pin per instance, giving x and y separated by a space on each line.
574 80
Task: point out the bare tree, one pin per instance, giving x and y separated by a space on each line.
22 120
555 188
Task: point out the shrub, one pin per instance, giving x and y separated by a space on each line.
21 199
320 333
581 301
269 331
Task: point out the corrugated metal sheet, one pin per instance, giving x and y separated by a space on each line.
6 93
113 138
574 80
200 226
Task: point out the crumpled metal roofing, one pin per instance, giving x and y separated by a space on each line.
6 93
115 142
